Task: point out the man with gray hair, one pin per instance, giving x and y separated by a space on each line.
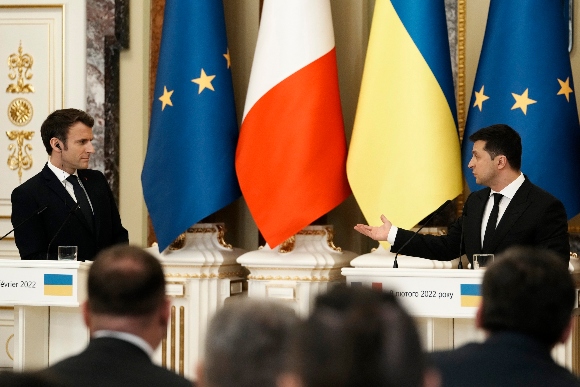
246 344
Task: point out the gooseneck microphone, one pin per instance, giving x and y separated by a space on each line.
460 264
60 228
437 212
24 221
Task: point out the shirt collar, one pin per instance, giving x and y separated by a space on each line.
59 173
510 190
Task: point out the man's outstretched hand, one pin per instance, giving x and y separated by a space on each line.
379 233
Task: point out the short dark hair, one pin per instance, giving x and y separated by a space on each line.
358 337
246 343
500 139
530 291
58 123
125 280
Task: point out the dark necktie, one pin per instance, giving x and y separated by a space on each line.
491 222
82 199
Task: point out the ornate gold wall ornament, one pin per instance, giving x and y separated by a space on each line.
288 245
178 243
221 233
20 158
20 112
20 66
329 239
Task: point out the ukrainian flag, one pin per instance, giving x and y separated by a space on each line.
470 295
58 285
404 156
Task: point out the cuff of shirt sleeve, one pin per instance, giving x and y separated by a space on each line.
392 235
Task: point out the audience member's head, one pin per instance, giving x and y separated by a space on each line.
246 344
528 291
126 292
357 337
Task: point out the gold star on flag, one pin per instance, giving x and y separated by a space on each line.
479 98
522 101
565 88
204 81
228 59
166 98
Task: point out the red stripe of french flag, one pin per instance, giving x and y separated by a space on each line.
291 153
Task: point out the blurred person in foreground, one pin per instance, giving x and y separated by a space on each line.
246 344
526 309
127 313
357 337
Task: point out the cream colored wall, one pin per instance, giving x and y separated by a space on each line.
134 122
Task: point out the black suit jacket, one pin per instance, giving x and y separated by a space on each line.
113 362
45 189
533 218
504 359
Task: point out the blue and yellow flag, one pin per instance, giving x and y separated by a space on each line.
58 285
524 80
189 168
404 156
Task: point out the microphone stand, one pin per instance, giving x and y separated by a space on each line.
24 221
437 212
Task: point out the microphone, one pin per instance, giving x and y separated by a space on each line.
460 264
463 216
60 228
24 221
437 212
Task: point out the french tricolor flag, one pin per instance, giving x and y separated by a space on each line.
291 154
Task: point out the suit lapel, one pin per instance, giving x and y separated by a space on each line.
56 185
53 182
476 208
91 188
514 210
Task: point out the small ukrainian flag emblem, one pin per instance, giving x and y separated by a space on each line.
58 285
470 294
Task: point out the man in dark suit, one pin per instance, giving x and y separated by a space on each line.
527 302
79 208
127 313
511 211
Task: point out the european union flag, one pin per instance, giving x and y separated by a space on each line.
189 168
524 80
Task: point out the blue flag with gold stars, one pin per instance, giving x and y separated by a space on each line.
189 167
524 80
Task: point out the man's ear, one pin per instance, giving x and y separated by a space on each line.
567 331
55 144
86 314
200 382
479 316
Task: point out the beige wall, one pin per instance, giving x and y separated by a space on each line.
134 122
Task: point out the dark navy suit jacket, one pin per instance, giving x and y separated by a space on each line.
504 359
111 362
45 189
533 218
